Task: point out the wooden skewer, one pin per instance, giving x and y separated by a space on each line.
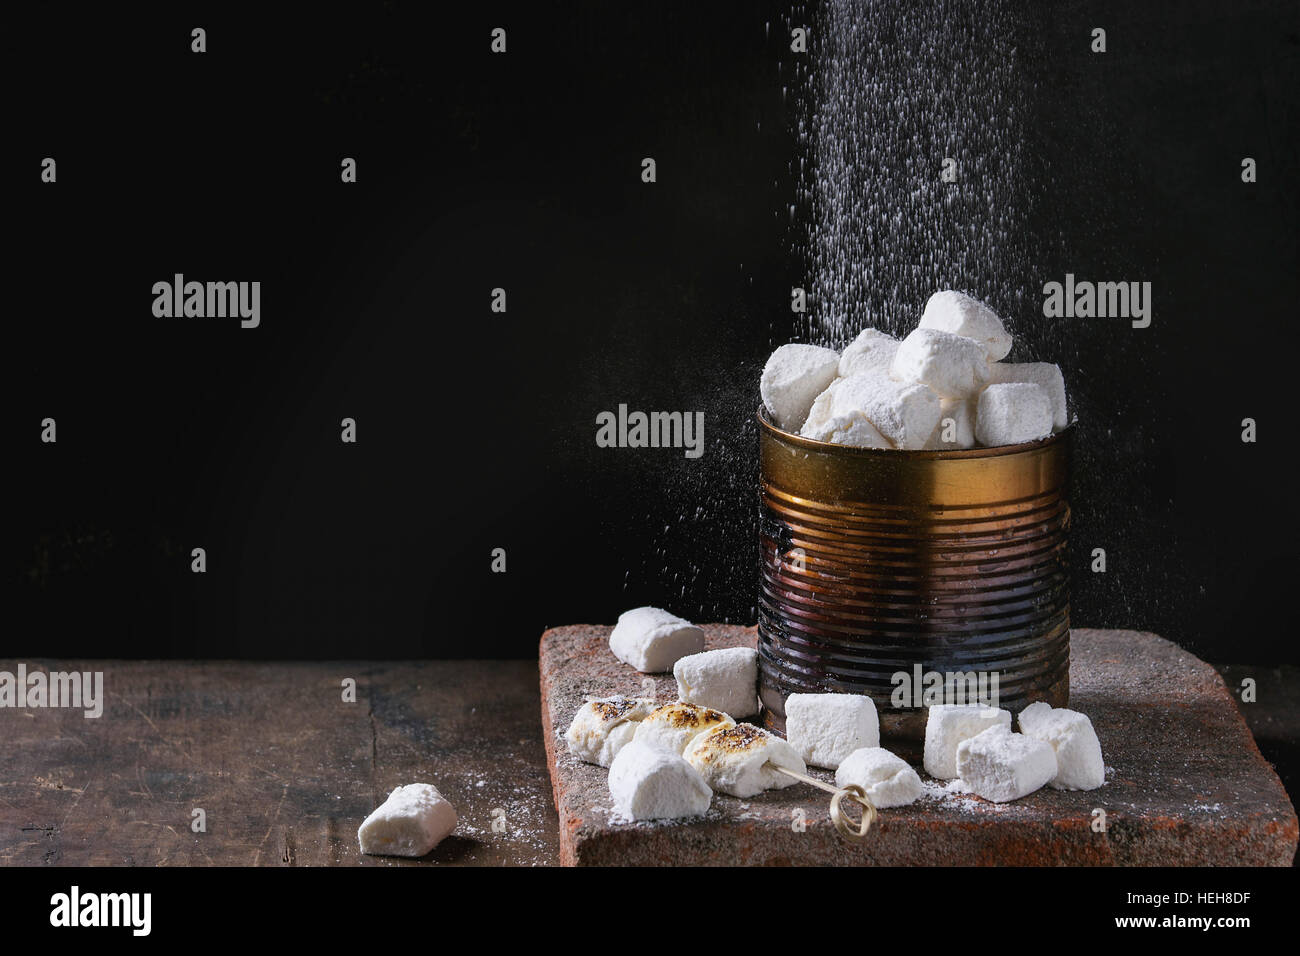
849 830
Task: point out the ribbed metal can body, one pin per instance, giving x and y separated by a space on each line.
937 565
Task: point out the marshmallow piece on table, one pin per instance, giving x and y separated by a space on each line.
1079 764
1037 373
947 725
871 351
961 411
673 726
887 779
411 822
793 376
734 760
648 783
961 314
726 680
952 366
652 640
853 429
903 413
823 729
1013 413
1001 766
602 727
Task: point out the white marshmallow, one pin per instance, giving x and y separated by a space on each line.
1079 765
1038 373
904 414
793 376
871 351
886 778
411 822
1000 766
602 727
648 783
852 429
823 729
960 314
948 725
961 412
1012 413
726 680
822 410
652 640
734 760
673 726
952 366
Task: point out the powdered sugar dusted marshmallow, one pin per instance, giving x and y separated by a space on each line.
852 429
871 351
648 783
411 822
1079 765
1038 373
960 314
947 725
821 412
793 377
734 760
1001 766
1013 413
673 726
904 414
961 432
726 680
652 640
823 729
952 366
601 728
887 779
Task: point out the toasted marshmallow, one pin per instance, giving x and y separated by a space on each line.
602 727
736 760
673 726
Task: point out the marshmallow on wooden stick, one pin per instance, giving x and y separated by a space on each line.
602 727
673 726
739 760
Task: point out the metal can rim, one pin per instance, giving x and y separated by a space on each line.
824 447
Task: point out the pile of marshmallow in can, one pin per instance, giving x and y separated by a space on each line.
945 386
666 761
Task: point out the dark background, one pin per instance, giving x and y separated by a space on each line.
476 430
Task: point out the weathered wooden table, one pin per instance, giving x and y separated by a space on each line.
282 767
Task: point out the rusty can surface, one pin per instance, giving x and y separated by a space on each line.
880 562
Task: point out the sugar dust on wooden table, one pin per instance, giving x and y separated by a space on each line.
282 768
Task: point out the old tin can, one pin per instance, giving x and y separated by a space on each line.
879 563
